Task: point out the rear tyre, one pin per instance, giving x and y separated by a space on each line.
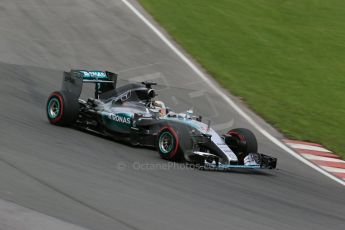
168 144
62 108
242 142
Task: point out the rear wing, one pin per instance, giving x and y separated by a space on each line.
104 81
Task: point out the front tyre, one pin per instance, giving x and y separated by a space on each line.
242 142
62 108
169 145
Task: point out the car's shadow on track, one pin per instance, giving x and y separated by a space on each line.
184 165
259 172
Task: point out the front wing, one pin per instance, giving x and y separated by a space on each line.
253 161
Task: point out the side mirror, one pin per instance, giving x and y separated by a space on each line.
151 93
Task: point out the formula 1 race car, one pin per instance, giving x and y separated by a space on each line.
130 114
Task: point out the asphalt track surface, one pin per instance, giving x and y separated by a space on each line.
91 182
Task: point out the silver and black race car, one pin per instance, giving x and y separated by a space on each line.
131 114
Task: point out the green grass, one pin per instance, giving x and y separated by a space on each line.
285 58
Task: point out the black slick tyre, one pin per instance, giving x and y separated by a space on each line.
62 108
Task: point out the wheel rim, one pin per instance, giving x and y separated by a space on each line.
166 142
53 108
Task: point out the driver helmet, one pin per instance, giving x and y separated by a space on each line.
161 107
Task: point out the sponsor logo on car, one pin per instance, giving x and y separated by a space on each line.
119 118
94 74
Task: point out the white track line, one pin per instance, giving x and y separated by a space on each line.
224 96
308 147
320 158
